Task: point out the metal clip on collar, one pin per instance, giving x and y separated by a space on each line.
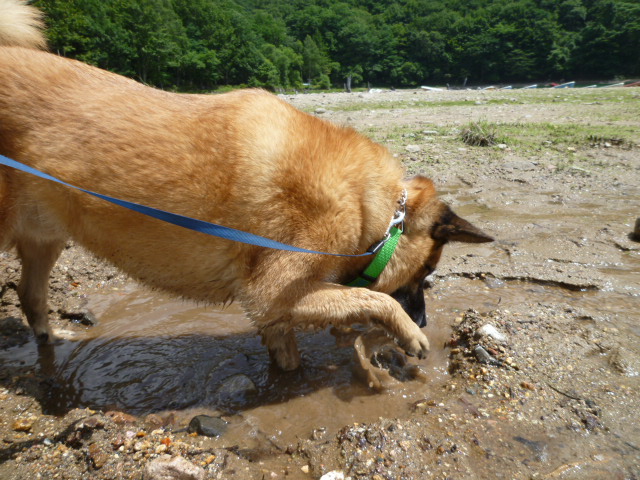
398 218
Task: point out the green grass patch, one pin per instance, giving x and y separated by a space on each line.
524 137
480 134
406 104
576 135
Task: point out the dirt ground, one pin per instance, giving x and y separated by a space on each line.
541 339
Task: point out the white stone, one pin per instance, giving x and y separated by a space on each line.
333 475
166 467
489 330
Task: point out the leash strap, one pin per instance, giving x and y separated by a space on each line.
179 220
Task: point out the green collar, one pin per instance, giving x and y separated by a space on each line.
379 262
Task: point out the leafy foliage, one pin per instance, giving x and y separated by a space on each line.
203 44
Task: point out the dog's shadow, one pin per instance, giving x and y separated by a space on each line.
140 375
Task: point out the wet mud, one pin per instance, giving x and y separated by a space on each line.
535 368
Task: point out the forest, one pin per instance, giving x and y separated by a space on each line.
200 45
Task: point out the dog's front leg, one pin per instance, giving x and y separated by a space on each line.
282 346
330 304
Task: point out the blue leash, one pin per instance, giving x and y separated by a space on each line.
180 220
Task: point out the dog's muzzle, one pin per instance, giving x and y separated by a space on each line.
412 302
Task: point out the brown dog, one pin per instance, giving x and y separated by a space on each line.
246 159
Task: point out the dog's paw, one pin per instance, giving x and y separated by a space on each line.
417 346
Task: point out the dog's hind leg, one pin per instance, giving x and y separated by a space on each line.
282 346
38 258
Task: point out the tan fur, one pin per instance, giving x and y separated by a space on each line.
246 159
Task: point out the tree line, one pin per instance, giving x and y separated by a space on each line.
193 45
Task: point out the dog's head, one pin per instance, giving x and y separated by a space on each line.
429 225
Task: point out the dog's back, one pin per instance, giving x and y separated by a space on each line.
21 25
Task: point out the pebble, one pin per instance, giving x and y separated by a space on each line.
120 418
24 424
173 468
636 231
412 148
483 356
84 317
333 475
489 330
97 455
236 388
92 422
207 426
141 446
153 420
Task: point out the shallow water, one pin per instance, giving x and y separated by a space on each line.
150 353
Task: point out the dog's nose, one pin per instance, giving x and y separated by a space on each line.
421 321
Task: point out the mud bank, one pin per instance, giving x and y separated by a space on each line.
534 373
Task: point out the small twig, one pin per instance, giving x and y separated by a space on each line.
572 397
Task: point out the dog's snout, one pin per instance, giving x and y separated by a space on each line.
412 301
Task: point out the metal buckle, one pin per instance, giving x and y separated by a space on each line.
378 245
398 218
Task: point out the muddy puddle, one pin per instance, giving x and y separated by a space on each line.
150 353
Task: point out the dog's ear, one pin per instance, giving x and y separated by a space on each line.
452 228
423 207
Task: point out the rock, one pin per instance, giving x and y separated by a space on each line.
412 148
490 331
120 418
483 356
173 468
97 455
83 317
91 423
636 231
320 110
493 282
24 424
207 426
154 421
429 132
624 362
333 475
141 446
236 388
